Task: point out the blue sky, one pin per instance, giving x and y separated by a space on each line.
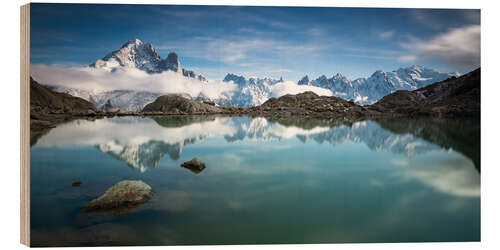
262 41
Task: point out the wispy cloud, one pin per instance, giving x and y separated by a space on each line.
386 34
407 58
444 18
316 32
457 47
240 49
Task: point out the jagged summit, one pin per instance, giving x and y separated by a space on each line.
135 42
304 81
137 54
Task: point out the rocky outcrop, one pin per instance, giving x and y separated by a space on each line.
49 108
124 197
308 103
451 98
46 101
176 104
195 165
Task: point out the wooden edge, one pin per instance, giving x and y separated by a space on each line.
25 124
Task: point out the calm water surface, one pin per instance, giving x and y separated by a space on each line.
266 181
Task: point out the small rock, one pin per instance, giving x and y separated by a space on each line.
124 197
195 165
76 184
112 110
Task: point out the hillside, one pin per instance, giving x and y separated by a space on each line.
308 103
451 97
44 100
176 104
48 108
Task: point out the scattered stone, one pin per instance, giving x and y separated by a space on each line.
124 197
112 110
76 184
195 165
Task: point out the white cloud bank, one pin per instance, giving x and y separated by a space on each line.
168 82
289 87
124 78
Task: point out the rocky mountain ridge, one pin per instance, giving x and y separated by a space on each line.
369 90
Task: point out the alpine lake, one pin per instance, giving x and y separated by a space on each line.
267 181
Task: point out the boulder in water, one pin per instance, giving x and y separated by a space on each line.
124 197
195 165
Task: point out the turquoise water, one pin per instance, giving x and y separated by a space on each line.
266 181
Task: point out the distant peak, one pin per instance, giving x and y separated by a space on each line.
232 75
234 78
304 81
172 57
135 41
172 62
322 77
338 76
414 67
378 73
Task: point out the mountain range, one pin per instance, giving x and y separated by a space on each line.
379 84
250 91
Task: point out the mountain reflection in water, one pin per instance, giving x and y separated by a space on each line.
143 142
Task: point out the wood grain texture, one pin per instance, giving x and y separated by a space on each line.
25 124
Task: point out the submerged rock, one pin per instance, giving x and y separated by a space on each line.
76 184
124 197
195 165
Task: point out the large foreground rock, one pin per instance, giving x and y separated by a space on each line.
123 197
176 104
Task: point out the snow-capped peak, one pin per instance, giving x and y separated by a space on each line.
137 54
133 42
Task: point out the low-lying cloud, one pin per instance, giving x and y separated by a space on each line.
289 87
168 82
124 78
